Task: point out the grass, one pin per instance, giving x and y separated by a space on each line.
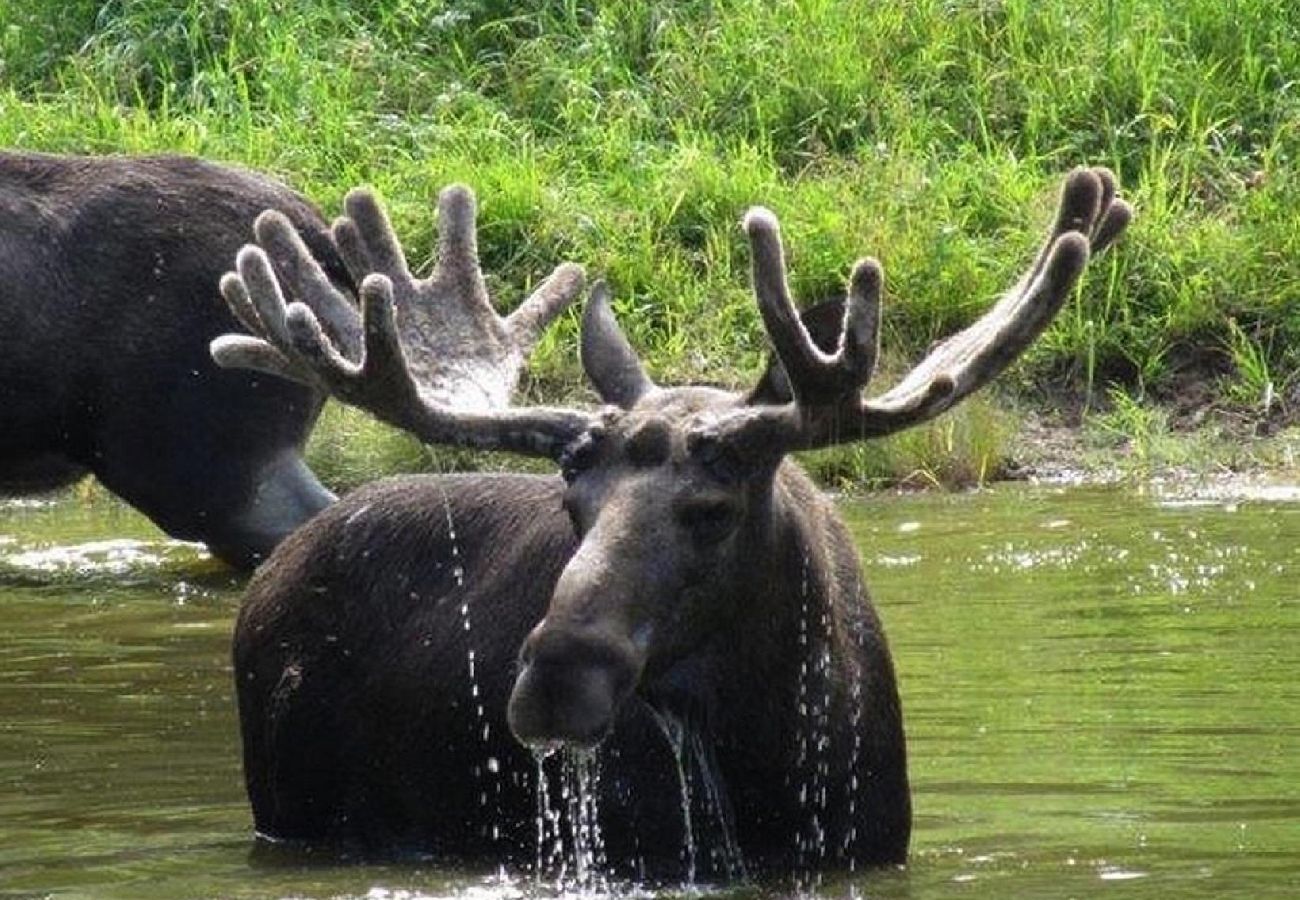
632 136
1135 440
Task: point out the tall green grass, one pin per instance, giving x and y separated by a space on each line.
631 136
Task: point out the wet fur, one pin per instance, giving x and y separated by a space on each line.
359 728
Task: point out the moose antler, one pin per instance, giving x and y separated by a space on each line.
827 407
430 356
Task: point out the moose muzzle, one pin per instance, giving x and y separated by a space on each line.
570 684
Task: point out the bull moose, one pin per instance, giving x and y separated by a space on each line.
109 268
682 583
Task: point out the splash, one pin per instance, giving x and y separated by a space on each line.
118 556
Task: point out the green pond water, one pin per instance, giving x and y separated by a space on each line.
1102 690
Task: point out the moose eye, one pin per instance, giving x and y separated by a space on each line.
709 520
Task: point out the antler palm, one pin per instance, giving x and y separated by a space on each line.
438 338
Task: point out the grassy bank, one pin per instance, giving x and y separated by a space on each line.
631 137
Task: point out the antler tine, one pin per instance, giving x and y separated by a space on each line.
813 373
237 299
972 357
366 239
794 347
320 364
860 342
1115 216
241 351
457 236
299 270
552 297
827 407
262 311
1080 204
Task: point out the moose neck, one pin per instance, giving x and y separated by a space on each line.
773 649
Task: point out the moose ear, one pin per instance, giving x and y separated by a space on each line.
824 323
607 357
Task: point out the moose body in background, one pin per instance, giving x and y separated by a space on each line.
681 596
109 272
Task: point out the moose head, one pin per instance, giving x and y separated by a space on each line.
692 533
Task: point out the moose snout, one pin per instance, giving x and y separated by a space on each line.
569 686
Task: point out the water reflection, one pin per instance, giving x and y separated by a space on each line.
1100 689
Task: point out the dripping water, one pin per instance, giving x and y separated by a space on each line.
570 845
725 856
674 730
857 635
821 738
732 861
550 845
581 777
488 774
813 747
801 760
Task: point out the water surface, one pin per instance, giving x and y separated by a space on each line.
1100 685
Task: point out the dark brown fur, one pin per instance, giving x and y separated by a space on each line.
109 268
360 726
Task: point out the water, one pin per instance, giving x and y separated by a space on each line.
570 846
1102 692
674 732
690 747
